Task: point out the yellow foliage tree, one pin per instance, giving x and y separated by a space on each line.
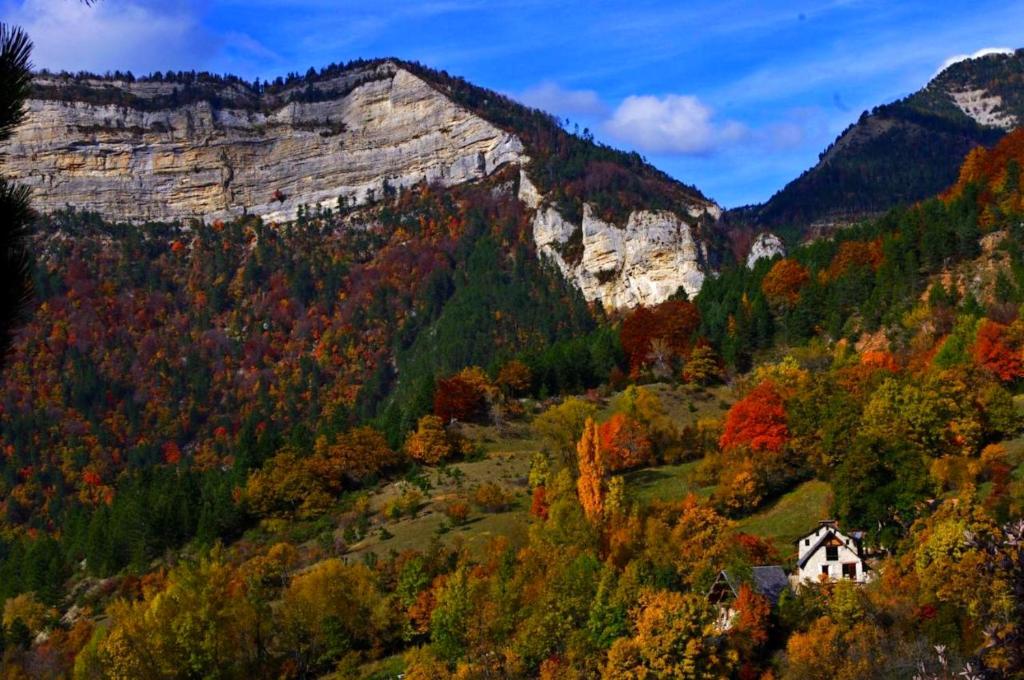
560 427
430 442
197 626
30 611
676 637
330 609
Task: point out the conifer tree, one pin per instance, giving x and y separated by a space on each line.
15 214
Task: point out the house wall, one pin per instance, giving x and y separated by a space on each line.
812 570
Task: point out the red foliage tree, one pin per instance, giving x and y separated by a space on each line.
638 329
458 399
994 352
677 322
674 322
757 421
172 454
624 443
539 503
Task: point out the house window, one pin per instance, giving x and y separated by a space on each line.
807 541
824 569
831 553
850 570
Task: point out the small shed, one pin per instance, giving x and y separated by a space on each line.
767 581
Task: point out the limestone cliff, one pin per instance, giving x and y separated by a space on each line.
266 157
161 150
766 246
641 262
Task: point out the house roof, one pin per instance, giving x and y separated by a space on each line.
833 526
768 581
822 540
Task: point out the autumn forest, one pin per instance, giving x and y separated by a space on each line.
393 439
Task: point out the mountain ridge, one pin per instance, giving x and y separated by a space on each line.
177 146
897 153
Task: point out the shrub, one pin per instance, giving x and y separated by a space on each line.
457 511
491 497
406 504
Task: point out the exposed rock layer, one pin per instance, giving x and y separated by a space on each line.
367 131
766 246
643 262
200 160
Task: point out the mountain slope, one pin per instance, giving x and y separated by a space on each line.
187 145
900 152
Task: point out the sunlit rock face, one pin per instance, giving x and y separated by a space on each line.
366 133
766 246
261 155
641 262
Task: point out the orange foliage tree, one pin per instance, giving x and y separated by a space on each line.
591 485
783 282
757 421
514 378
880 359
356 455
987 168
753 619
430 443
624 443
855 254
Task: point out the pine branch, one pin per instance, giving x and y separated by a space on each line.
15 77
15 261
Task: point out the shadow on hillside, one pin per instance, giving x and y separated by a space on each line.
647 476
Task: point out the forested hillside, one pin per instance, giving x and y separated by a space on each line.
391 441
897 153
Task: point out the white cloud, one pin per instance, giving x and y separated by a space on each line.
674 124
552 97
111 35
983 52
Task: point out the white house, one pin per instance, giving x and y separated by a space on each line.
829 553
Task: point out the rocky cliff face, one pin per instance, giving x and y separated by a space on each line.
201 160
766 246
147 150
641 262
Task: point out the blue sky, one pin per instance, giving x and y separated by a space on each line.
735 97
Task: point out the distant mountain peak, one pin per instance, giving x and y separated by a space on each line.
901 152
980 54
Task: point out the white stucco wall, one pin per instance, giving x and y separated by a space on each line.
847 552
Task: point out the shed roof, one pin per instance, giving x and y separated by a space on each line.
768 581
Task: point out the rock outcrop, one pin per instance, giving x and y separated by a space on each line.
265 157
643 262
156 150
766 246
